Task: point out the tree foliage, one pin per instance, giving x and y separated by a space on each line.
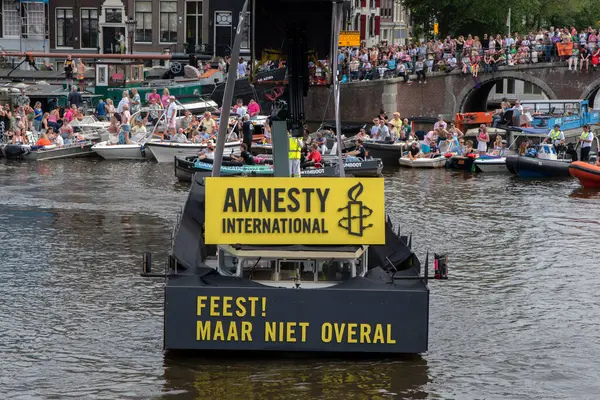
456 17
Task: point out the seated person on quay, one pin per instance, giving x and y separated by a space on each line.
314 157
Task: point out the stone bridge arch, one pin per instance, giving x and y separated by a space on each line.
591 93
472 98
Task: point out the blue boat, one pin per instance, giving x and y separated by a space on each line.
542 163
569 114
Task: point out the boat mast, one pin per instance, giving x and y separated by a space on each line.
228 94
336 22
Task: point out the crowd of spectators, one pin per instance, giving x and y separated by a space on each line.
471 54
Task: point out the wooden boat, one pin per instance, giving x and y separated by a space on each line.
424 162
588 174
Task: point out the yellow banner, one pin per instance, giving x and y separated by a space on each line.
262 211
349 39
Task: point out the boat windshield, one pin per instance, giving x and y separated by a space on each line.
281 266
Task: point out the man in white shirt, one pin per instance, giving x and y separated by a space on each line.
376 130
586 139
171 116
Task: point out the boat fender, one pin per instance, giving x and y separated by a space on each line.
143 150
440 266
448 155
471 155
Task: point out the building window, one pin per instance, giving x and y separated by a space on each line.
500 87
168 21
372 25
89 28
246 32
113 15
34 20
530 88
143 16
64 27
193 25
10 18
510 86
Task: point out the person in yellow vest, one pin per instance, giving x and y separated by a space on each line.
556 136
295 155
586 139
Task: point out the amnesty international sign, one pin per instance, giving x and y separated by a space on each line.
295 211
349 39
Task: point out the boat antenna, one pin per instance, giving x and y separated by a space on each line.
228 94
337 19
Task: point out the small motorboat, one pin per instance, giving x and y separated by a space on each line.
54 152
16 151
542 163
588 174
488 163
388 152
461 163
186 167
165 151
109 151
424 162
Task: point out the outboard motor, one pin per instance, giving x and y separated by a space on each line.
440 266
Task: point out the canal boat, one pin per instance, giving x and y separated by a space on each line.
423 162
186 167
489 163
164 151
461 163
228 296
76 150
388 152
543 163
588 174
110 151
569 114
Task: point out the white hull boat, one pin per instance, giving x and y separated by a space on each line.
165 152
110 151
426 162
491 164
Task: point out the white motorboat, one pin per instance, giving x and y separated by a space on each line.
424 162
165 151
492 164
109 151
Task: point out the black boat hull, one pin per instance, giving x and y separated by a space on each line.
460 163
388 153
529 167
350 317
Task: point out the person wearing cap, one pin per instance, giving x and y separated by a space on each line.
556 136
414 151
586 139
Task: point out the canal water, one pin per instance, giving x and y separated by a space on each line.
519 317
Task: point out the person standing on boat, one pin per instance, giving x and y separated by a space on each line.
556 136
586 139
247 129
208 123
295 153
154 96
135 103
483 138
74 98
171 116
253 108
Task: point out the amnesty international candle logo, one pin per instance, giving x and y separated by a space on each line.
356 212
294 211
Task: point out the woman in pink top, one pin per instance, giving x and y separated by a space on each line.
165 98
253 108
